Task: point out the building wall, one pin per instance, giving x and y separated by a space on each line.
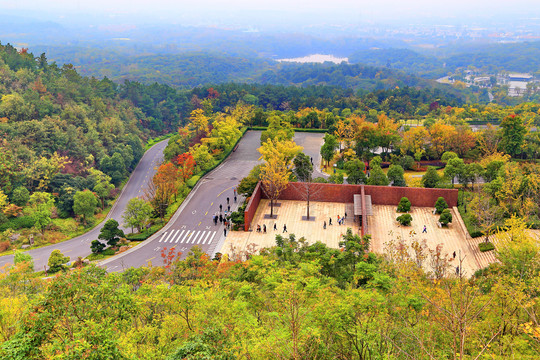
380 195
344 193
252 206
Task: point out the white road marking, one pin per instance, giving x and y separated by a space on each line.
163 237
199 239
212 238
179 236
175 235
207 235
190 236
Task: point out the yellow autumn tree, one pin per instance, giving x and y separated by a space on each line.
199 121
275 178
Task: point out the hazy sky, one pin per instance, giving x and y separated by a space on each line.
233 11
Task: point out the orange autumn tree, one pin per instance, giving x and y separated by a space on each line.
186 164
162 188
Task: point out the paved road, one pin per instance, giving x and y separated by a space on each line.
192 224
80 246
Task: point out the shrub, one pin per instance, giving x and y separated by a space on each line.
193 181
4 245
404 205
97 246
430 178
446 217
486 246
407 162
404 219
440 205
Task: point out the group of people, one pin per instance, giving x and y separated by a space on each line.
341 220
225 218
263 228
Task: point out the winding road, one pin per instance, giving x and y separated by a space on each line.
192 223
80 245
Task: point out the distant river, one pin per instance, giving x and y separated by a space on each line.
317 58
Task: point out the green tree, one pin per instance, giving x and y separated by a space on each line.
56 261
446 217
21 257
41 204
302 167
431 179
111 233
211 343
20 196
137 214
103 190
84 204
404 219
454 167
440 205
97 246
377 177
404 205
328 148
396 175
513 134
355 172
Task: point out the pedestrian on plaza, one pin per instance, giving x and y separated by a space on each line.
345 215
215 219
229 208
339 222
311 161
234 198
457 270
275 226
227 201
330 221
264 228
425 230
343 220
258 228
220 218
220 208
338 218
234 191
454 255
225 232
284 228
324 225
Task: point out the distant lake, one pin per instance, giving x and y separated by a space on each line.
316 58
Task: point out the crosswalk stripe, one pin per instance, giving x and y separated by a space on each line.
163 237
199 239
179 236
187 237
175 233
207 235
197 234
212 238
167 239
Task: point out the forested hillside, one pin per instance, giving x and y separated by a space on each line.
295 301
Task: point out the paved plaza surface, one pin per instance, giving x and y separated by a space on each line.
382 226
290 213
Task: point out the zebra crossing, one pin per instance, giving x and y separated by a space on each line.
188 237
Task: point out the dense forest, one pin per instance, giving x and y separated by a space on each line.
294 301
489 58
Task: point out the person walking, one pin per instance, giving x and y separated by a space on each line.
324 225
284 228
225 232
220 208
215 219
264 228
229 208
220 218
330 221
235 198
454 255
345 215
234 191
227 201
258 228
275 226
425 230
